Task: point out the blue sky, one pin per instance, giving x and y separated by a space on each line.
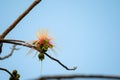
86 32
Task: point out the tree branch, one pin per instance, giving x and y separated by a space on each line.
10 54
20 18
7 71
23 43
17 42
2 36
78 76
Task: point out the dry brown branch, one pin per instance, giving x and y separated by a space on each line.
20 18
66 77
2 36
23 43
10 54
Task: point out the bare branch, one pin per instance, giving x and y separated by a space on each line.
78 76
10 54
60 63
17 42
7 71
11 40
23 43
20 18
12 26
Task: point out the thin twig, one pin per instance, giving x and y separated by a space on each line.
31 46
10 54
7 71
79 76
19 42
60 63
16 40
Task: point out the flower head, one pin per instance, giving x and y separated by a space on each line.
44 41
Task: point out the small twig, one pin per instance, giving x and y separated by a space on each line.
17 42
78 76
7 71
31 46
60 63
11 40
10 54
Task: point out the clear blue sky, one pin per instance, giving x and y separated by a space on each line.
86 32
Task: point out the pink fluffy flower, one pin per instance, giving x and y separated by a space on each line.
44 41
